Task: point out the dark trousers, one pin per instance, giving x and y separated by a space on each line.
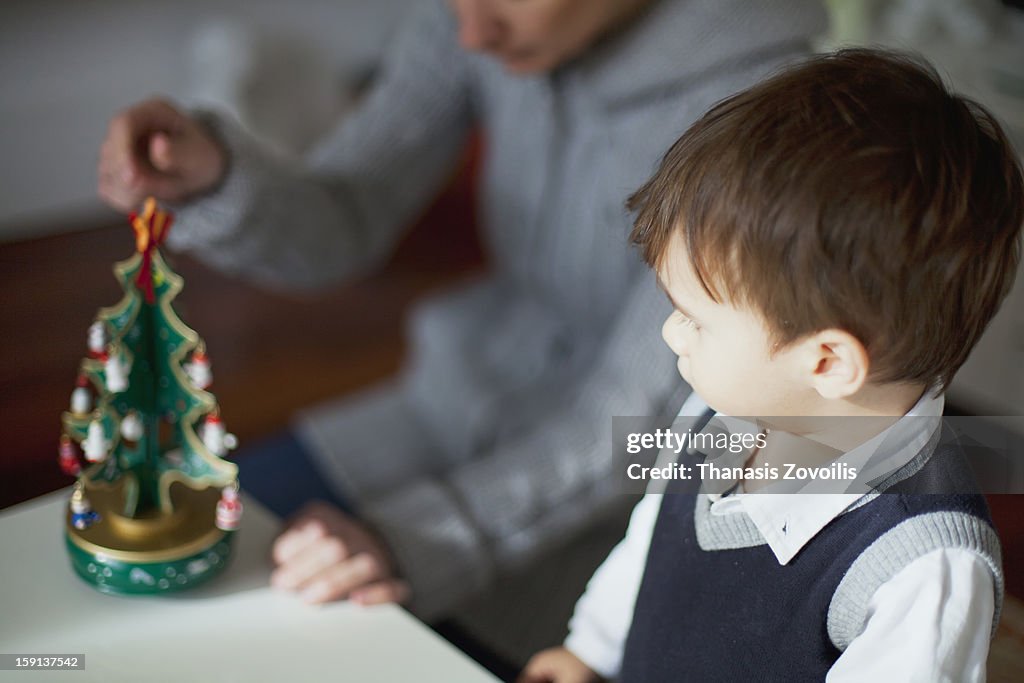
280 473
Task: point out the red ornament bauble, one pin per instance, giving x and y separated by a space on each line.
68 457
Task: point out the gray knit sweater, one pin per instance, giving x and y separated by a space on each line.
495 442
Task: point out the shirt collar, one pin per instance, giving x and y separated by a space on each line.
788 521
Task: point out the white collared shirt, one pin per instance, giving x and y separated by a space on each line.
938 609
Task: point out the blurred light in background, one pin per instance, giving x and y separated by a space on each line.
978 45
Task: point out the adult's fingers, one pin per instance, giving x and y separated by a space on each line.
162 153
340 579
126 172
379 592
130 129
114 192
112 186
309 562
300 535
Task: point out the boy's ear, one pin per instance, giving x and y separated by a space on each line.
836 363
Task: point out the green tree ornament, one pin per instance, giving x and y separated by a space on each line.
155 506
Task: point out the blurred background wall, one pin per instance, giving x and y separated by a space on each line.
66 67
978 45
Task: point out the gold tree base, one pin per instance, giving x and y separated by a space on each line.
153 553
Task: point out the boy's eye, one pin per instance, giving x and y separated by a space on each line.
686 321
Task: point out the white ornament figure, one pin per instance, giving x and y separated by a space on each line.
81 397
116 373
229 509
96 445
198 369
82 514
131 427
97 338
215 436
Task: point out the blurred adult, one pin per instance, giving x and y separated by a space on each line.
493 445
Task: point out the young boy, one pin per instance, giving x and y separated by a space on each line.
834 242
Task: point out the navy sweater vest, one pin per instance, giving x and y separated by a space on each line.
737 614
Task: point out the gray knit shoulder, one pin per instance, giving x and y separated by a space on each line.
897 548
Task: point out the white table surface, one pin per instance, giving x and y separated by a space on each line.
233 629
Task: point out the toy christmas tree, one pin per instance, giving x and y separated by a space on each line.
155 505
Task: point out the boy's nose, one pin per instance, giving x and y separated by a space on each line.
670 332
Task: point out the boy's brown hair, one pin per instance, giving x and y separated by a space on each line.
851 191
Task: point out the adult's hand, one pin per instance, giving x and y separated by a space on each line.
154 149
328 555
